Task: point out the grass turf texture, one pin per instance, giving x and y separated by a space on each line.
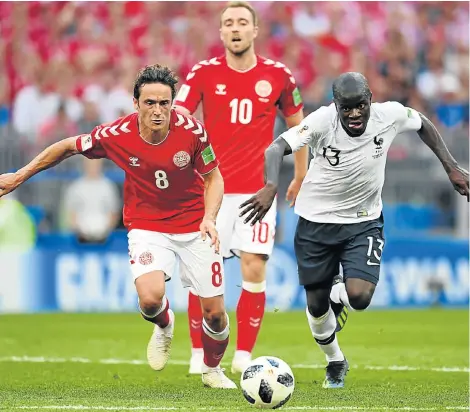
422 339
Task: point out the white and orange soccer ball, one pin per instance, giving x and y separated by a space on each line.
267 382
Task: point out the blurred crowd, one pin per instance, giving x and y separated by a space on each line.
68 66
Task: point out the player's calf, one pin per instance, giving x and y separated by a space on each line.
322 322
195 329
215 337
250 308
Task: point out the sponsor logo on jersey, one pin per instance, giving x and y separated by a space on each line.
134 161
87 142
208 155
220 89
410 113
181 159
263 88
296 96
145 258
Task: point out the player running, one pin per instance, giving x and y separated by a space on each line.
240 93
172 193
339 203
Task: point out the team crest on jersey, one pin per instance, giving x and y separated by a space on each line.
379 151
263 88
145 258
181 159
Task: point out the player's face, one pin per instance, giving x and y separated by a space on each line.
237 30
154 107
354 113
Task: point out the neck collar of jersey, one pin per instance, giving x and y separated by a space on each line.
241 71
166 136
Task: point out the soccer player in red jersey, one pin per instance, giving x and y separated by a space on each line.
172 193
240 93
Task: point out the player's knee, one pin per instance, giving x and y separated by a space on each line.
253 267
359 292
318 300
360 300
215 319
150 305
317 310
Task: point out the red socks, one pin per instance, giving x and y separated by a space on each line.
250 312
195 320
214 345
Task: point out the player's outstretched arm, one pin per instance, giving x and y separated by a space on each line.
214 192
457 175
48 158
259 204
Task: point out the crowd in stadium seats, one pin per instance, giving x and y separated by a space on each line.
68 63
68 66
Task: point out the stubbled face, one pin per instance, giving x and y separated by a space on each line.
237 30
154 106
354 112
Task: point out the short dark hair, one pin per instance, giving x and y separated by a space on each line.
155 74
350 80
242 4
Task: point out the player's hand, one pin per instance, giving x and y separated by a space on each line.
259 204
8 183
207 227
458 176
293 191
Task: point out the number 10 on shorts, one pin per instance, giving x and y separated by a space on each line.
260 232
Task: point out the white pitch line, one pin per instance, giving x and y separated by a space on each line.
43 359
292 408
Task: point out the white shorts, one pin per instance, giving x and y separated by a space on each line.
236 236
200 267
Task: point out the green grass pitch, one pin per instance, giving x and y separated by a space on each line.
400 360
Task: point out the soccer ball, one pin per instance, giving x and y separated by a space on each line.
267 383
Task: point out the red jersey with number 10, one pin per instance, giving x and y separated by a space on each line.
239 114
163 187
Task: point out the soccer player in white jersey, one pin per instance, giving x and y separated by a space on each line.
339 203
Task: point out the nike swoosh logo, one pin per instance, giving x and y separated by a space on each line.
369 263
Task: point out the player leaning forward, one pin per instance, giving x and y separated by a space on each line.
172 193
339 203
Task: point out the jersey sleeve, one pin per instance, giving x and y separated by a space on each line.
310 130
204 156
89 146
290 101
405 118
190 93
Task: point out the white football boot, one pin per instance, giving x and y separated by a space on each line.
240 362
159 346
215 378
196 362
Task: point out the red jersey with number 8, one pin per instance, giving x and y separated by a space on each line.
239 114
163 187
